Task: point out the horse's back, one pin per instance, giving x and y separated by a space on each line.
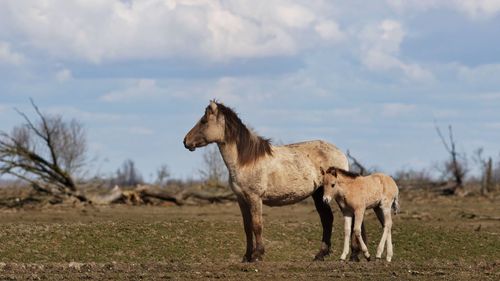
387 183
321 153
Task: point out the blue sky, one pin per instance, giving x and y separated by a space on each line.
368 76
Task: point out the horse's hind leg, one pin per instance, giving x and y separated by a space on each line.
381 217
388 225
326 216
247 225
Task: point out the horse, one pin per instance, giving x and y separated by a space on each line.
354 194
261 173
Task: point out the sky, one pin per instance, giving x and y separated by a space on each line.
373 77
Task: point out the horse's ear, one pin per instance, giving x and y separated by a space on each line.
322 171
213 107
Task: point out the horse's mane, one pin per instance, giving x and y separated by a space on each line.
343 172
249 145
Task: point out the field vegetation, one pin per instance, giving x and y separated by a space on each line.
435 238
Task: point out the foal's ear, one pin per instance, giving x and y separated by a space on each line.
322 171
334 172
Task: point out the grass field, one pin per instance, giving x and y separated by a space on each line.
435 238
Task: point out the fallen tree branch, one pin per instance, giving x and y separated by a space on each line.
144 194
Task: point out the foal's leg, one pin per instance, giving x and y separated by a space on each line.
347 235
355 247
381 217
358 220
388 224
257 226
326 216
247 225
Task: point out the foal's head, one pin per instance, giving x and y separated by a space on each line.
330 177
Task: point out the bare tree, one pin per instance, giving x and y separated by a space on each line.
455 168
355 165
214 171
496 173
486 167
162 174
128 174
48 153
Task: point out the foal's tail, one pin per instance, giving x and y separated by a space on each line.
395 204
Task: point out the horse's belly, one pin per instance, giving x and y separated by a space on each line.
282 200
276 196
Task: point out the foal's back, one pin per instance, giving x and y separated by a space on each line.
373 190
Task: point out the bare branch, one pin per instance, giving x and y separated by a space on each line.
455 166
355 163
45 153
441 137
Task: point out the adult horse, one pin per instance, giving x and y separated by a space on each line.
261 173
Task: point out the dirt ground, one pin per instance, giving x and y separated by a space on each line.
435 238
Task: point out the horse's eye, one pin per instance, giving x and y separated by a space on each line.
333 185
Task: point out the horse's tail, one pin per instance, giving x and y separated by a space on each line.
395 204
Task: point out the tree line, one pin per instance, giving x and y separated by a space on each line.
50 154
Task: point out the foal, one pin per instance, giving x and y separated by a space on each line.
354 194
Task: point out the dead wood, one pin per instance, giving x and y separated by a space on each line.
150 194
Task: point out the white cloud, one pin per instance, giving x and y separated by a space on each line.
142 89
88 116
226 90
64 75
329 30
479 8
380 50
474 9
8 56
293 15
486 73
98 31
397 109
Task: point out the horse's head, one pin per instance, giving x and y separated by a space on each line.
330 176
209 129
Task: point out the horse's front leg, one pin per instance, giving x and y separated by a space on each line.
355 246
358 220
326 216
347 235
255 204
247 225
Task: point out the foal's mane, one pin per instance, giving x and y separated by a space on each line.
343 172
249 145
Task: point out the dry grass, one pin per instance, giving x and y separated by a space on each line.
440 238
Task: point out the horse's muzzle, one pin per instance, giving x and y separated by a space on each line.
190 147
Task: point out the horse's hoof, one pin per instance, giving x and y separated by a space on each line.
256 259
246 259
321 255
319 258
354 258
